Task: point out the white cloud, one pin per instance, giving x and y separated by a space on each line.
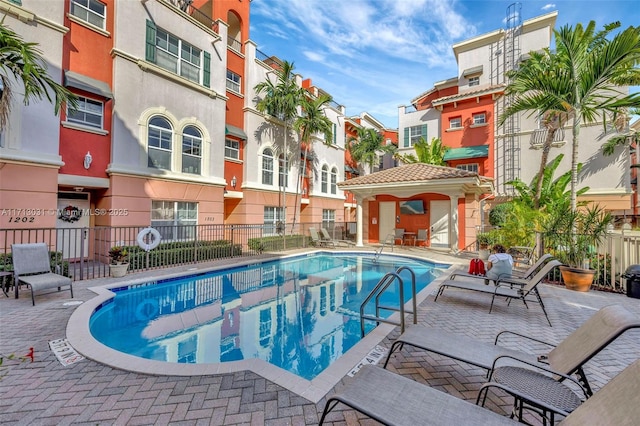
549 6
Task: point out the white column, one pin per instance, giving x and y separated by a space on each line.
454 222
359 223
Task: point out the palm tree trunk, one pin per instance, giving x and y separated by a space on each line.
577 122
296 212
546 147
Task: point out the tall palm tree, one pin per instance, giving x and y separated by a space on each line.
22 62
427 152
281 100
587 69
367 145
312 120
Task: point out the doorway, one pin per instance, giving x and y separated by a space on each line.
439 219
387 219
72 225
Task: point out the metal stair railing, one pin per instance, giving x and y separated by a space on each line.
377 292
384 243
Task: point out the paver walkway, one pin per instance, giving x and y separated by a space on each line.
46 393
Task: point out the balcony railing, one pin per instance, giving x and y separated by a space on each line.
234 44
539 136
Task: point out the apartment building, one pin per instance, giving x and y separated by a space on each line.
167 130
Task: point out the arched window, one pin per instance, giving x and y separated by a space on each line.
324 180
334 180
191 150
283 176
159 137
267 167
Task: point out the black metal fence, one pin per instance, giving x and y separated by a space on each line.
83 253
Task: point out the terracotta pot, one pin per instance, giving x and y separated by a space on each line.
577 279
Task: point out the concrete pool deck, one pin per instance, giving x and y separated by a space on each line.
88 392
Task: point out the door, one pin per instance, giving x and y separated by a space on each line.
439 218
387 219
72 227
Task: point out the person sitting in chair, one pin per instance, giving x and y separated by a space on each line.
499 264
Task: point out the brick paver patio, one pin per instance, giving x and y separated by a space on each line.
46 393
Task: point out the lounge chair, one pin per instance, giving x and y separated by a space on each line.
31 266
518 274
505 287
396 400
327 237
317 241
567 358
398 234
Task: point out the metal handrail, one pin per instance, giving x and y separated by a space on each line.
384 243
379 289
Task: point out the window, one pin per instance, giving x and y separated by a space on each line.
90 11
334 180
472 167
324 180
323 301
335 133
175 220
160 135
267 167
176 55
233 81
413 134
474 81
188 349
265 327
455 123
328 218
479 118
89 113
232 149
283 172
273 217
191 150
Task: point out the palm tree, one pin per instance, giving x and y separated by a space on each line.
427 152
313 120
24 62
579 80
367 145
281 100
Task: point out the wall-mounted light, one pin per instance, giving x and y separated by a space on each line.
233 182
87 160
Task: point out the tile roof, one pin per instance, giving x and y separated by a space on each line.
484 91
408 173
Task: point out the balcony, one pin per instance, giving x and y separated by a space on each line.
540 135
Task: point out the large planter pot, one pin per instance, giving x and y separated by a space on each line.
577 279
119 270
483 254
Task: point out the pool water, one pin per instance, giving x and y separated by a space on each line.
299 314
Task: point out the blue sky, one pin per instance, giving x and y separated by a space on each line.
373 55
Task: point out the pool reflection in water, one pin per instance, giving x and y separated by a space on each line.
299 314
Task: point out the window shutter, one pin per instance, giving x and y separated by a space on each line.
335 130
424 132
206 76
150 52
406 137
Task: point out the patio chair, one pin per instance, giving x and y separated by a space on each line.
518 274
318 241
398 235
31 266
504 287
327 237
421 237
566 358
393 399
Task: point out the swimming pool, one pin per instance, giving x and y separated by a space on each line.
299 313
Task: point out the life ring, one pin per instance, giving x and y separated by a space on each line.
147 309
148 239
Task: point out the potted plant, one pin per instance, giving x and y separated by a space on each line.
118 265
573 237
484 240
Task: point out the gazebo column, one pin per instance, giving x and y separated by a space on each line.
359 222
454 222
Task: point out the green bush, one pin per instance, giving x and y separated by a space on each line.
173 253
55 260
499 214
276 243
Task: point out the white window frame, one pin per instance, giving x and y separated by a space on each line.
82 112
193 144
232 149
267 168
469 167
88 8
328 218
234 82
180 61
479 118
455 120
173 219
415 133
272 215
334 181
283 171
474 81
160 139
324 179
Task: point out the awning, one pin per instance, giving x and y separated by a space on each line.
235 131
467 152
472 71
88 84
